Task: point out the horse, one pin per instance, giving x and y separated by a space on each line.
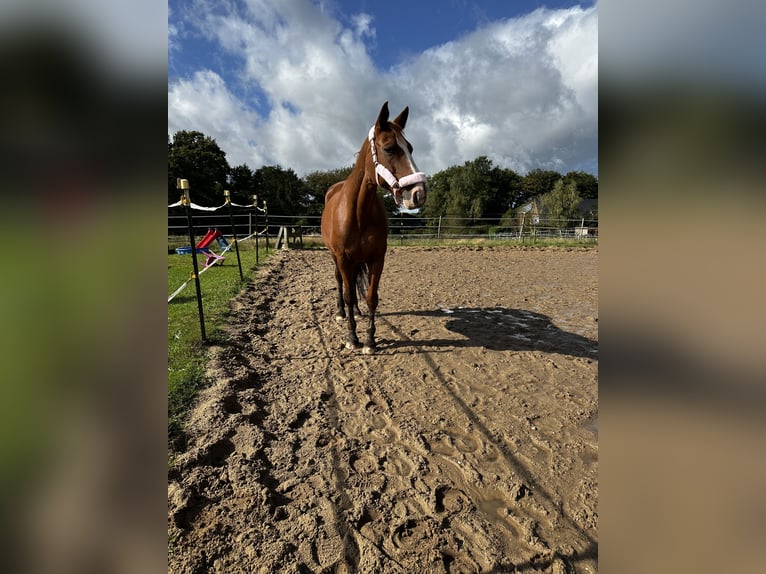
354 221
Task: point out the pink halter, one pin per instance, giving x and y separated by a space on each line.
383 171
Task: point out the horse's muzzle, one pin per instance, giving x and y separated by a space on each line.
414 196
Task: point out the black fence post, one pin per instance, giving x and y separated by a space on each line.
227 198
183 184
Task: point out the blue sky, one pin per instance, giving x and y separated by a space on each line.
298 82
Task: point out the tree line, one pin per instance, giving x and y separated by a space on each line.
476 189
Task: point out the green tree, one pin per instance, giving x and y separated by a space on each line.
560 204
438 186
475 189
506 192
318 182
284 192
538 182
587 184
242 184
475 182
196 157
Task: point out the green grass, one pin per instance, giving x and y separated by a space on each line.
187 354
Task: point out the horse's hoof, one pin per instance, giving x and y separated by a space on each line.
368 350
350 345
339 319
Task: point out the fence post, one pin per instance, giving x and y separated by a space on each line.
266 211
439 229
255 210
227 199
183 184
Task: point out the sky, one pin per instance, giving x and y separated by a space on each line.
298 83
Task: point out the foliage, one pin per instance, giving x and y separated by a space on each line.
587 184
284 192
318 182
242 184
197 158
539 181
560 204
477 189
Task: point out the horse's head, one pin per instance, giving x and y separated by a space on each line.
392 158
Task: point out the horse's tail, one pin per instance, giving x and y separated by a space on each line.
363 281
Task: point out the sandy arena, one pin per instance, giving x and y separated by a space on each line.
467 443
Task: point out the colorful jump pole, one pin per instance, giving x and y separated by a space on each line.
183 185
227 198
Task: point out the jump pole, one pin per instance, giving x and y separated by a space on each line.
183 184
227 198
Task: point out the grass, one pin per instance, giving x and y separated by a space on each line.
187 354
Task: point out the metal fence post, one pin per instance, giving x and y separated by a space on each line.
266 212
183 184
227 198
255 211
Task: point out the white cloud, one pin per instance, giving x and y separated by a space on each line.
203 103
522 91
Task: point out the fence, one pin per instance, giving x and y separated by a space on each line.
247 223
405 227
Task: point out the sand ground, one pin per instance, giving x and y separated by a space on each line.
467 443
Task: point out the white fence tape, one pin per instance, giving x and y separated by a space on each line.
179 203
224 250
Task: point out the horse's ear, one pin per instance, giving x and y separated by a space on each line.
382 121
401 119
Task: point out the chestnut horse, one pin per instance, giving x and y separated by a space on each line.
354 222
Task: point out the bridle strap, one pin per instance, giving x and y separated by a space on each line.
382 171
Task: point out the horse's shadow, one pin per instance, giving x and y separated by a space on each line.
496 328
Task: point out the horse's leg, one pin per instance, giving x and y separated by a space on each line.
376 269
341 315
349 296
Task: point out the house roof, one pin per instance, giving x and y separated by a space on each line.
587 205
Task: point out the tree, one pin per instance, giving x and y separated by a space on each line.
242 184
560 204
316 185
587 184
475 183
284 192
196 157
506 189
538 182
438 187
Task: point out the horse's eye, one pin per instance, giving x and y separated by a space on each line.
390 150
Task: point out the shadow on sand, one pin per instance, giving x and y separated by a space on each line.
497 328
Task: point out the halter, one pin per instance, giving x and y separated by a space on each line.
382 171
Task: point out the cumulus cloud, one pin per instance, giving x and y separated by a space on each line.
203 103
521 91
